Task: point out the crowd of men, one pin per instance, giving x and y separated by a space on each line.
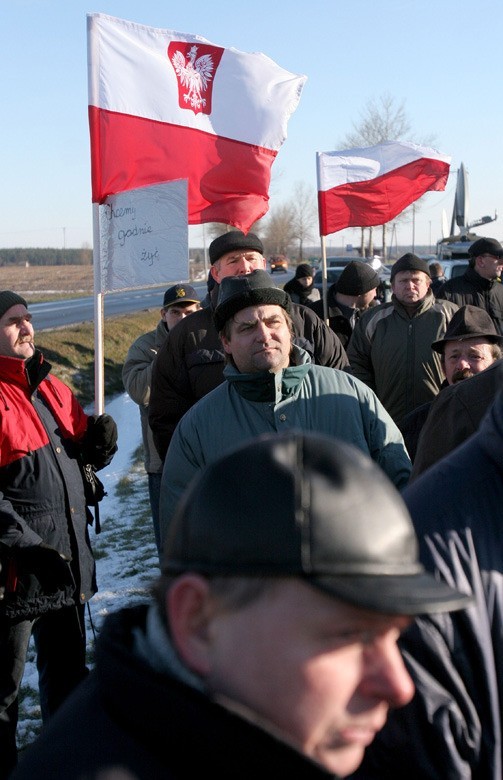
324 608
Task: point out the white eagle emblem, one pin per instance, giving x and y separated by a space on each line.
195 75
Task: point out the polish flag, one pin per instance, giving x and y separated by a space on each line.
370 186
165 105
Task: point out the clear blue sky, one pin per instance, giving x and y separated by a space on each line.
442 58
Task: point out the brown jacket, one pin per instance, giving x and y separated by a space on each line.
455 414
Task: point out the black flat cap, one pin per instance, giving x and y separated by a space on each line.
234 240
308 506
486 246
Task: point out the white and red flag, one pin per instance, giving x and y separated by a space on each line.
165 105
370 186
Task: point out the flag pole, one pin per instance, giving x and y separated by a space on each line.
324 288
323 248
99 361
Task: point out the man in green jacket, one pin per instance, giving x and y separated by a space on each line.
390 349
271 386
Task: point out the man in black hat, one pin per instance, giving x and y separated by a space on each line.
480 284
191 361
272 384
47 566
271 647
180 300
348 297
455 415
300 288
470 345
390 349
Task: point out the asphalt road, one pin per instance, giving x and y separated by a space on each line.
75 310
72 311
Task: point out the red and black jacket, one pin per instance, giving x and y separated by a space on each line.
42 430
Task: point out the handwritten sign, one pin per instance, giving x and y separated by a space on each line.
144 237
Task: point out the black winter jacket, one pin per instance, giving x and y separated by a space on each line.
340 324
128 721
452 729
191 362
472 288
42 431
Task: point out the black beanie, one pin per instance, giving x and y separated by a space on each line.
232 241
8 299
410 262
303 270
357 278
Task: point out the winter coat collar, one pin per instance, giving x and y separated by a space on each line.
266 386
427 302
477 280
25 373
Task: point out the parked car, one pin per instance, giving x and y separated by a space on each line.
454 268
278 263
332 276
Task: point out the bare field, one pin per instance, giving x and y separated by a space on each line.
47 279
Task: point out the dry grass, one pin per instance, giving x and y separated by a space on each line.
70 351
41 282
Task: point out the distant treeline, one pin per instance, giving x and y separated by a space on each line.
36 256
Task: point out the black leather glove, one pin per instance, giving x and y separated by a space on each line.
49 566
100 442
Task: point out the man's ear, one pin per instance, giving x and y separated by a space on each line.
189 614
226 344
214 273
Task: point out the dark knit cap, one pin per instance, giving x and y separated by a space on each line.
303 270
8 299
469 322
486 246
357 278
233 241
410 262
180 293
239 292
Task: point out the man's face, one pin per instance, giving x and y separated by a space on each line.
410 287
16 333
237 263
463 359
260 339
176 312
489 266
321 671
